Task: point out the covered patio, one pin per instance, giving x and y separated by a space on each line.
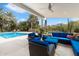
52 10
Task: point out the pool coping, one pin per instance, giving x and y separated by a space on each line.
3 40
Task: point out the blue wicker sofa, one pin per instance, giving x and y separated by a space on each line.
55 39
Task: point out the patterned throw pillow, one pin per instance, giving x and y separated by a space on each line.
70 36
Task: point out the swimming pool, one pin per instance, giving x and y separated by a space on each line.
11 34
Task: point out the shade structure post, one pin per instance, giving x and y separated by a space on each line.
45 24
41 22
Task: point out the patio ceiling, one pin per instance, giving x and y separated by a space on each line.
57 9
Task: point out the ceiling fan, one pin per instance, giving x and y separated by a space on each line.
50 7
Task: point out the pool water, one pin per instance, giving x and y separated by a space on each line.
11 35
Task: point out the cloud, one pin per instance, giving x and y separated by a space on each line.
21 20
75 19
15 8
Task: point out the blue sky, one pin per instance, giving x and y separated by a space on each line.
54 21
22 15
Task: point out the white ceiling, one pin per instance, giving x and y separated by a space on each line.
59 9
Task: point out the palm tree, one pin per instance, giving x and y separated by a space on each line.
23 26
33 22
70 25
1 22
10 25
2 19
11 21
7 20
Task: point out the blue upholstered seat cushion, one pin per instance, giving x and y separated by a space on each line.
63 38
60 38
75 45
38 41
51 39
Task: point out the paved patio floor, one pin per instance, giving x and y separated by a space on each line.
64 50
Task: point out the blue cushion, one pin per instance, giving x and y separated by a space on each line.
64 39
31 34
60 34
75 45
51 39
38 41
64 35
60 38
55 34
